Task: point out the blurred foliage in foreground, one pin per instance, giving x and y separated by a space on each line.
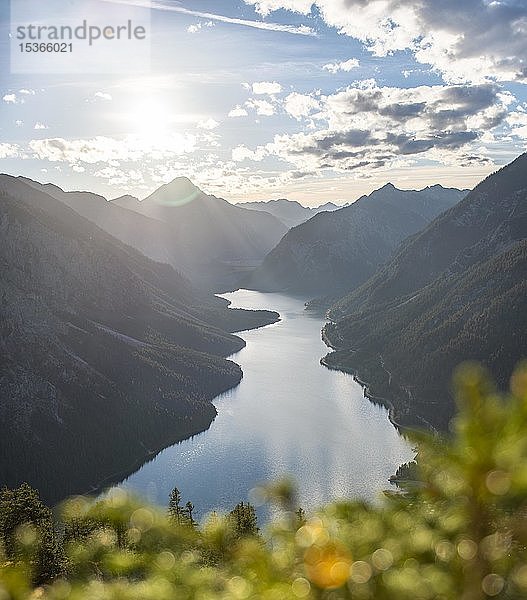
459 533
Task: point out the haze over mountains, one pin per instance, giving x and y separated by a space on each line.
106 354
109 353
290 212
210 236
455 291
336 251
206 238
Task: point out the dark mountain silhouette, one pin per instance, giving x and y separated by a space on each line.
106 355
455 291
207 239
212 239
337 251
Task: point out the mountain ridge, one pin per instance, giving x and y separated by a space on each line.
106 354
206 238
336 251
454 291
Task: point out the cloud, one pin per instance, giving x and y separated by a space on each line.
14 98
265 25
469 41
266 87
119 176
241 153
300 105
346 65
208 124
39 125
238 111
367 126
102 96
107 149
196 28
8 150
19 123
518 122
262 107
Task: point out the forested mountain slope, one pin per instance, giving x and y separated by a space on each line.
456 291
204 237
337 251
105 354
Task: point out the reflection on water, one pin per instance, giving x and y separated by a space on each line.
289 416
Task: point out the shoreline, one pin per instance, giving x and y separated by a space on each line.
374 398
394 414
118 477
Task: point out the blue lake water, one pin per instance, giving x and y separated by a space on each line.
289 416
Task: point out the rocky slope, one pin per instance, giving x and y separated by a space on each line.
337 251
455 291
207 239
106 355
212 240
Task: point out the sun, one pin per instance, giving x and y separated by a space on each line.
149 118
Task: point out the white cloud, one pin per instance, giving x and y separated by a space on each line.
266 87
265 25
208 124
19 123
119 176
346 65
10 99
8 150
262 107
106 149
468 41
300 105
198 26
238 111
27 92
39 125
241 153
518 122
367 126
102 96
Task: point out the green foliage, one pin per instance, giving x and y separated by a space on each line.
180 515
243 519
27 534
460 535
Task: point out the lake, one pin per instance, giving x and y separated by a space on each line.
289 416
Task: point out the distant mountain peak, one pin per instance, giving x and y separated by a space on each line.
125 198
178 192
182 184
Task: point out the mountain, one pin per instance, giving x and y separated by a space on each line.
106 355
149 236
455 291
124 200
289 212
207 239
337 251
212 240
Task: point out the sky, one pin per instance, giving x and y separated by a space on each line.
261 99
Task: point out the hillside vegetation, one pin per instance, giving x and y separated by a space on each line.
457 533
